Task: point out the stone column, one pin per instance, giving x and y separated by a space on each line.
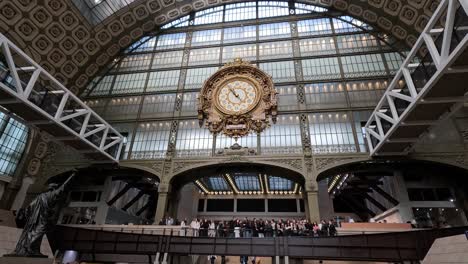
2 188
21 195
313 206
161 207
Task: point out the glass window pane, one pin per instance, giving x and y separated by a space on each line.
357 43
325 95
275 50
306 9
163 81
135 62
240 34
394 61
144 44
365 93
240 11
151 140
204 56
196 77
158 105
313 27
209 16
282 71
13 140
331 133
272 31
272 9
206 37
320 69
129 83
363 65
284 137
167 59
246 52
122 108
287 98
317 46
189 104
181 22
171 41
348 24
193 140
103 86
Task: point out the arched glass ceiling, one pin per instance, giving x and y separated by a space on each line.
245 11
248 11
95 11
329 68
247 183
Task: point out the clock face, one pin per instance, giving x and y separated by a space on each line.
237 97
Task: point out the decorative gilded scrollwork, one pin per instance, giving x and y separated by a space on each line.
238 99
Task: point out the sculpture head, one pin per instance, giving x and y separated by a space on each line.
52 186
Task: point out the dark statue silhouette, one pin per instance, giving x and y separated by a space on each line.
38 220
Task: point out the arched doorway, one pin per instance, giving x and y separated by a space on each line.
103 195
237 190
427 193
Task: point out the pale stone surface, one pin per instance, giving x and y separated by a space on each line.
9 237
452 250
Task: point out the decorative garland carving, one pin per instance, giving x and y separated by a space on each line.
294 163
322 163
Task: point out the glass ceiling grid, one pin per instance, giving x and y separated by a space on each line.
280 184
96 11
247 182
216 183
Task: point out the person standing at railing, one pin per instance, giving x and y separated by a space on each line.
204 228
324 228
315 229
183 228
261 228
195 226
211 229
274 228
268 229
220 229
331 228
246 228
237 228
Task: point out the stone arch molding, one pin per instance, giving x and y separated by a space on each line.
55 34
326 163
459 160
143 168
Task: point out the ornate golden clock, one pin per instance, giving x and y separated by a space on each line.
238 99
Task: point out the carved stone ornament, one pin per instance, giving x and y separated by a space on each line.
238 99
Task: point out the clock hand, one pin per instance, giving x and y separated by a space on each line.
234 93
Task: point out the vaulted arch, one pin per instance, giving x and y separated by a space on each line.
74 51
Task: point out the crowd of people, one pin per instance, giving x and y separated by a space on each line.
253 227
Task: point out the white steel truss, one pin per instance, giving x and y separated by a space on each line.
430 85
30 92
